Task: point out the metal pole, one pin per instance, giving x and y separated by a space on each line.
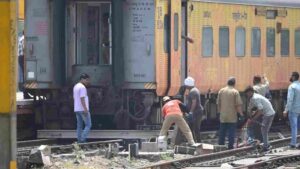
8 52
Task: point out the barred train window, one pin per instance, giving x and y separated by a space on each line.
207 41
224 41
285 42
240 38
255 42
297 42
270 42
176 20
166 34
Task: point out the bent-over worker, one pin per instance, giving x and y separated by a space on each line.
172 114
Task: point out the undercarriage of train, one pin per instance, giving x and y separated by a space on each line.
119 109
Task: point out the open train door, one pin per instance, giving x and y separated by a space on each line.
162 45
175 64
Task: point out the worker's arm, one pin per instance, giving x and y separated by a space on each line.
265 81
218 103
183 108
257 115
193 106
239 110
290 99
82 99
239 103
258 112
82 95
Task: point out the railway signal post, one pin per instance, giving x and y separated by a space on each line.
8 52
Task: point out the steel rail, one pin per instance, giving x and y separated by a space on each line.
32 143
273 162
186 162
83 145
57 149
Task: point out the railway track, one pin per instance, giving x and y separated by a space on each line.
59 149
216 159
276 162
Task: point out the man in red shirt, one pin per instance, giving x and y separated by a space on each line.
172 114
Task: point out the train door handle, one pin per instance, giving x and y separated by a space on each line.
148 49
31 49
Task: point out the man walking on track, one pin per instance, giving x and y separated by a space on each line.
81 108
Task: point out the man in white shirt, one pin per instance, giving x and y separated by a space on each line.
81 108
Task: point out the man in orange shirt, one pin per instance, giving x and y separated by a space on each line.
172 114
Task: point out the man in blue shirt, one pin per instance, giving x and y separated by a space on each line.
293 107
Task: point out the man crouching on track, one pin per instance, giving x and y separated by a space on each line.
172 114
264 109
81 107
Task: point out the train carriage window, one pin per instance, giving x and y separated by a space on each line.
207 41
285 42
270 42
297 42
224 41
240 39
176 32
255 42
166 33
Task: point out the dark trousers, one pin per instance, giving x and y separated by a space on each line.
195 126
227 128
21 72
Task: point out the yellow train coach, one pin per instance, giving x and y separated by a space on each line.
242 38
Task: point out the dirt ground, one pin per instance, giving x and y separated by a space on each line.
99 162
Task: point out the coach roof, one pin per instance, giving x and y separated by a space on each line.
273 3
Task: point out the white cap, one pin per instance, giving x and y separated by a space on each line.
189 81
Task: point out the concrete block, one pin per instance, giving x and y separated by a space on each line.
46 150
185 150
133 150
209 148
40 155
149 147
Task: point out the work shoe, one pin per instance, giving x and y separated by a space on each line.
267 148
292 146
196 144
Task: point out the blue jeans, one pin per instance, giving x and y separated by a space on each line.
86 119
294 124
224 128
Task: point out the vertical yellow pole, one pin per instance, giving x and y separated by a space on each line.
8 57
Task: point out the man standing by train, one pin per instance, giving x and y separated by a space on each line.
293 107
261 87
229 103
81 108
194 106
